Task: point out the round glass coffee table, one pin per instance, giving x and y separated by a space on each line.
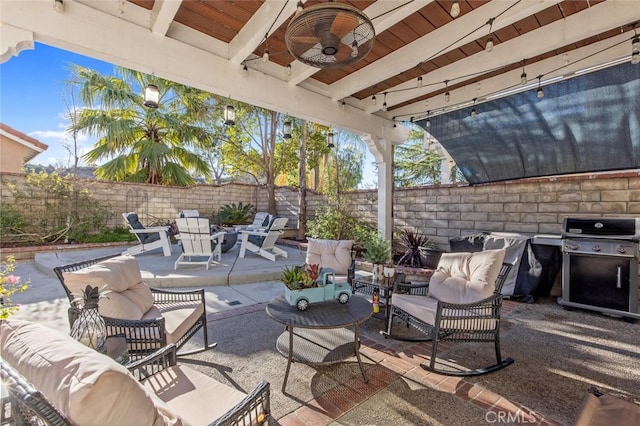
319 335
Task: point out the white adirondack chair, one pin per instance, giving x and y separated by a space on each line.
198 242
150 238
264 242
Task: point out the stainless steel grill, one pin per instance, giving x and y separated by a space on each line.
600 265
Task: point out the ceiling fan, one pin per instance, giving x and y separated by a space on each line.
330 35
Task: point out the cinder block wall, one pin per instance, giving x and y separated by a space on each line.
531 206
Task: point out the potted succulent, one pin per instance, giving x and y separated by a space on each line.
307 284
378 252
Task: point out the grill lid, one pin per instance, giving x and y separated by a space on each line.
602 227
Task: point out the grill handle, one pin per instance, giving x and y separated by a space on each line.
619 277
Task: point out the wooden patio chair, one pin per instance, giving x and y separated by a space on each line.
197 242
263 242
462 304
150 238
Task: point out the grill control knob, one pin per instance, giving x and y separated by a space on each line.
572 246
621 249
597 248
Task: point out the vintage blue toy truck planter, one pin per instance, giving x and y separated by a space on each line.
325 288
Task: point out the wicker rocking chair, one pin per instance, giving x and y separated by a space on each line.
445 321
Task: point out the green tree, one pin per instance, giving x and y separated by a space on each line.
139 144
414 165
345 163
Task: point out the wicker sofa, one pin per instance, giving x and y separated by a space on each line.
53 379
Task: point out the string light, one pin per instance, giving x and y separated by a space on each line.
489 46
373 100
473 110
384 104
455 8
419 81
540 93
343 105
428 123
288 70
447 95
523 76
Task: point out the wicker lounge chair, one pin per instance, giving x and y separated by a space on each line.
170 317
462 304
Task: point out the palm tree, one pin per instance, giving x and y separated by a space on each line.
138 144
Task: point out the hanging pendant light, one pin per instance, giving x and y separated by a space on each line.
447 95
428 123
330 143
635 50
373 100
420 81
489 46
229 115
151 96
286 129
473 110
523 76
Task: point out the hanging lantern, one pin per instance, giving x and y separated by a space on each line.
151 96
89 327
286 129
330 143
229 116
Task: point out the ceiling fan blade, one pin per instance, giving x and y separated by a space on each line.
309 39
343 23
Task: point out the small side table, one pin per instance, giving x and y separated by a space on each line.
318 335
367 285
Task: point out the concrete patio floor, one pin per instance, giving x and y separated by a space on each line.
558 353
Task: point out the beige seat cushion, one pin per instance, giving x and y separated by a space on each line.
85 386
334 254
123 294
178 317
466 277
200 398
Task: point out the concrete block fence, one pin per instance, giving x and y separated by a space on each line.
529 206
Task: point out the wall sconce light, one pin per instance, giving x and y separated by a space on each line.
286 129
229 116
58 6
151 96
330 143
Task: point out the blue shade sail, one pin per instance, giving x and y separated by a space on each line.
589 123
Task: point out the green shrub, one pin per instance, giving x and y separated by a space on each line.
233 214
108 235
377 250
332 222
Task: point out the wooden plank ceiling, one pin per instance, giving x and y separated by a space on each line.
224 20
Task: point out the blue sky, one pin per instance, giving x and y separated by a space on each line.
32 88
32 93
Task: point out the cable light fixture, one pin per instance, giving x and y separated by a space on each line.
58 6
635 48
151 96
523 76
540 93
229 116
489 46
455 9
